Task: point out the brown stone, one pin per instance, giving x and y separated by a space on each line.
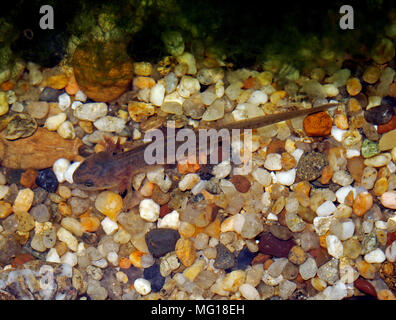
38 151
103 70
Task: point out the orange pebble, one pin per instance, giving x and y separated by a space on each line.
341 121
213 229
136 258
90 223
124 263
28 178
64 209
353 86
362 203
327 174
72 86
7 85
249 83
143 82
318 124
385 294
147 189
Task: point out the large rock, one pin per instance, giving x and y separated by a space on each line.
38 151
103 70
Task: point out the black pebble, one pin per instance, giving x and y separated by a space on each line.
379 115
13 175
47 180
153 274
225 259
244 258
161 241
50 94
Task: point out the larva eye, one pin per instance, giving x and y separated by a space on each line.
88 183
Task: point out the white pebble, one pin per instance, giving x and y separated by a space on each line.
297 154
249 292
91 111
80 96
352 153
199 187
171 220
112 257
142 286
222 170
272 217
258 97
375 256
273 161
69 258
343 192
149 210
337 133
378 161
52 123
70 170
110 124
109 226
59 167
68 238
262 176
233 223
101 263
53 256
188 181
390 252
286 178
325 209
380 224
75 104
157 94
66 130
334 246
64 101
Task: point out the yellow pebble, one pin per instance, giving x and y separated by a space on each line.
380 186
109 203
24 200
192 272
277 95
185 251
64 192
5 209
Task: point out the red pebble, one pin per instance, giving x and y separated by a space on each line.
391 236
21 259
365 286
164 210
382 128
268 244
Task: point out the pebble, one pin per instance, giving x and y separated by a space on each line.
66 130
161 241
318 124
110 124
390 252
286 178
388 199
268 244
273 162
64 101
375 256
23 200
334 246
171 220
249 292
69 258
378 161
72 225
142 286
157 94
52 123
379 115
225 259
310 165
70 170
308 269
185 251
329 271
189 181
109 226
53 256
91 111
40 213
362 203
353 86
215 111
50 94
369 149
59 168
109 203
387 141
38 109
149 210
68 238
